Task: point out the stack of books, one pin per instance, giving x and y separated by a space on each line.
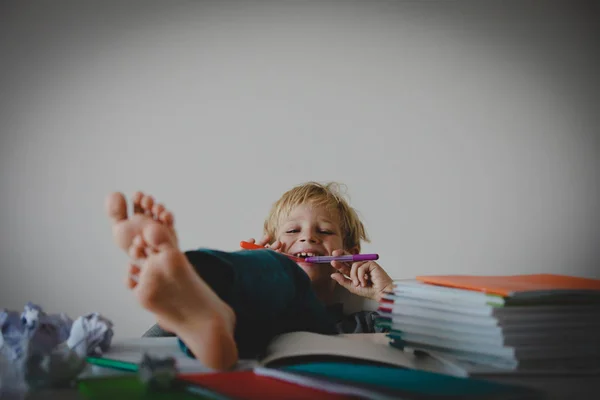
526 323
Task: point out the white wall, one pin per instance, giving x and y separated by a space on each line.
468 136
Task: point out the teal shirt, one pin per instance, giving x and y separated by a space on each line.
269 293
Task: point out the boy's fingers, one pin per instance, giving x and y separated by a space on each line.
263 241
362 273
342 267
339 278
358 273
353 274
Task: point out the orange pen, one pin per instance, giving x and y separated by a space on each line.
252 246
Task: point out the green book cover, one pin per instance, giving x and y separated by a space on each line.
132 388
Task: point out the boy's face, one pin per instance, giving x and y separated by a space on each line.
311 231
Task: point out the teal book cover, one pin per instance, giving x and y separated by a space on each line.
412 384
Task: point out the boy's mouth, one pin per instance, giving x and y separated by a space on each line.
305 254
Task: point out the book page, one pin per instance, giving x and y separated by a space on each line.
366 347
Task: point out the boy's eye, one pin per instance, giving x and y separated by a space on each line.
322 231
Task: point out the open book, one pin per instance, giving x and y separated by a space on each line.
367 348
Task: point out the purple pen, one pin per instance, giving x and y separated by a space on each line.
344 258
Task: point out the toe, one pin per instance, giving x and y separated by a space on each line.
147 203
116 207
157 209
137 202
133 277
166 217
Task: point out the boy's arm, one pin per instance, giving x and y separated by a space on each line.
364 278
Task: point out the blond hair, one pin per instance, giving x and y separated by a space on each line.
328 195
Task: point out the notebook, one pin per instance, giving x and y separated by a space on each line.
519 286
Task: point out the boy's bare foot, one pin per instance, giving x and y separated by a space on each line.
170 288
145 204
144 208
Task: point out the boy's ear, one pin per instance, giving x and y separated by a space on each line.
353 250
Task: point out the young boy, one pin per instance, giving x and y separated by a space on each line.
315 219
223 306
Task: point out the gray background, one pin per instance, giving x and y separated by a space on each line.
467 133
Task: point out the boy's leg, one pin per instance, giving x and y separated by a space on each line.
268 293
167 285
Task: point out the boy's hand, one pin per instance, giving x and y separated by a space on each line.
366 278
264 242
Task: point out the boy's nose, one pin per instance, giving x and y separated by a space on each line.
309 239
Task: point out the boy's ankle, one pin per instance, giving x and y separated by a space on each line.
211 339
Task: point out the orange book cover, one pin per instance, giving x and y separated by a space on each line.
511 285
